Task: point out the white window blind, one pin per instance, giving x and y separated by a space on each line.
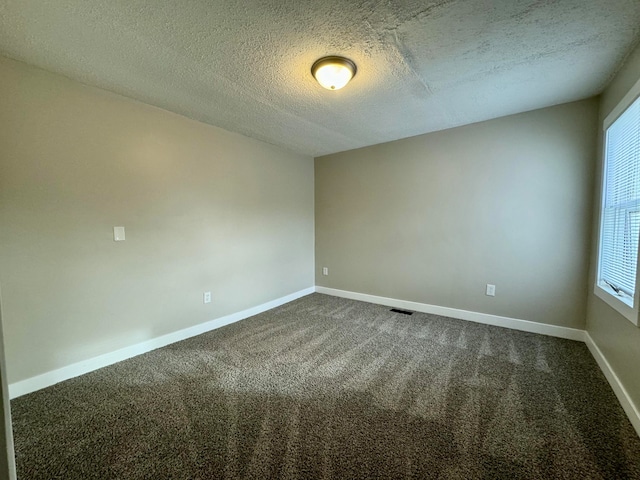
620 227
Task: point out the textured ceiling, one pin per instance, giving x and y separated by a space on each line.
244 65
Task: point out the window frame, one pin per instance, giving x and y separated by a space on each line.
603 291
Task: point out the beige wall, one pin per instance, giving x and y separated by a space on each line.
617 337
434 218
204 209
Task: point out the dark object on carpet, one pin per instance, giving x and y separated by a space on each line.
325 387
404 312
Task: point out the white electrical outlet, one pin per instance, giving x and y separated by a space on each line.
207 297
491 290
325 270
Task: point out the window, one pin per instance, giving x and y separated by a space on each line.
620 211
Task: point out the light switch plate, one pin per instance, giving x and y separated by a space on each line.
118 234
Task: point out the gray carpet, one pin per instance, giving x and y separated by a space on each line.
330 388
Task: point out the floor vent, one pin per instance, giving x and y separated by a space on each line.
404 312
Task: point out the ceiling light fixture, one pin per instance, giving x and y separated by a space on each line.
333 73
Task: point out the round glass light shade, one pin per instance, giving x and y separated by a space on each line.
333 73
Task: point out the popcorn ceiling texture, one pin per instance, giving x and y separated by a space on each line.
245 66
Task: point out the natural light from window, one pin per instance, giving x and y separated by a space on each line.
620 214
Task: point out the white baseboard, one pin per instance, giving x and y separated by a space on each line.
50 378
513 323
630 408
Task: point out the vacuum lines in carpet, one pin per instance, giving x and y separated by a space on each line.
325 387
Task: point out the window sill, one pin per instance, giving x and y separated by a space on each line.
620 304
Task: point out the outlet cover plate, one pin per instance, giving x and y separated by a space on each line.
491 290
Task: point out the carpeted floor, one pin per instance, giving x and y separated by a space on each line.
325 387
